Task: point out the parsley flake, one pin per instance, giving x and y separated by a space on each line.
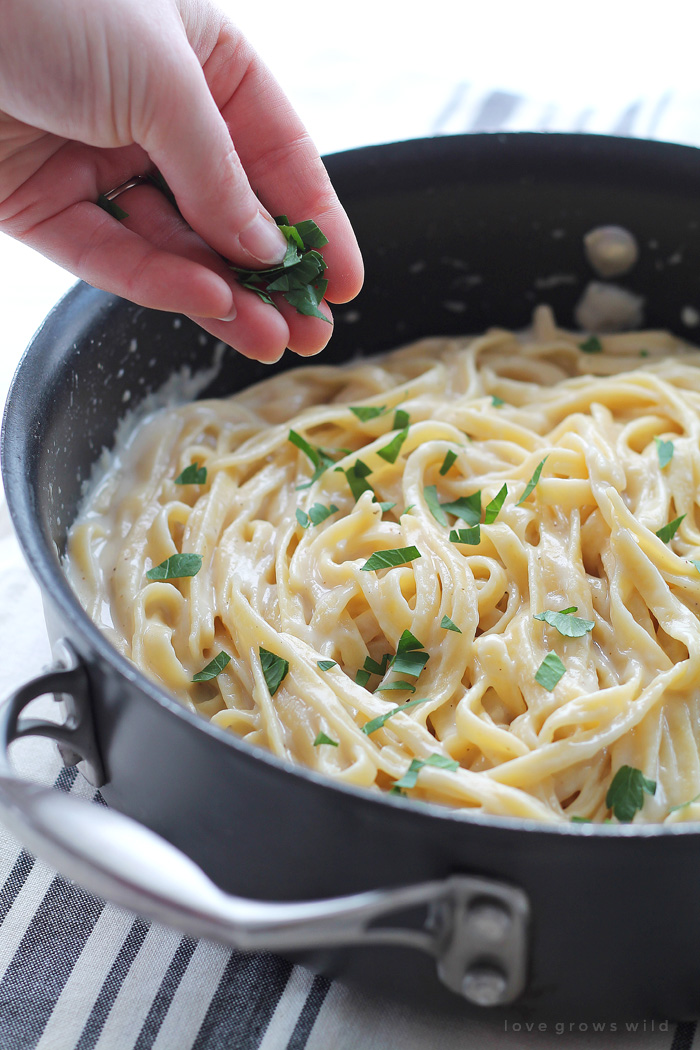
320 460
568 625
391 451
390 558
316 515
411 663
626 792
468 508
213 668
367 412
192 475
449 624
357 475
494 507
176 567
591 345
550 671
325 665
410 777
683 805
274 668
377 668
532 482
472 537
401 419
497 401
323 739
378 722
664 450
362 677
667 532
386 687
447 462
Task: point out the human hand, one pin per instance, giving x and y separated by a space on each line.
94 92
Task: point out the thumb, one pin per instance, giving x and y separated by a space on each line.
188 140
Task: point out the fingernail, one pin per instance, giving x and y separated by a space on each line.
230 316
263 240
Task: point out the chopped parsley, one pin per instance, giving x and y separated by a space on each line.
176 567
274 668
316 515
449 624
497 401
411 663
399 684
366 412
532 482
447 462
468 508
410 777
391 451
192 475
362 677
683 805
664 451
357 475
626 792
667 532
470 536
401 419
325 665
299 277
550 671
213 668
567 624
320 460
591 345
375 668
323 739
494 507
378 722
390 558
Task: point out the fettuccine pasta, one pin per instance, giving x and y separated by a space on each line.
499 532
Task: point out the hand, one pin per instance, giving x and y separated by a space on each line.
93 92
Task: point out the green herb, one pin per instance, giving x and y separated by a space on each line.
470 536
532 482
592 345
401 419
176 567
411 663
316 515
274 668
409 779
323 739
356 475
384 507
667 532
408 642
374 668
643 353
111 207
695 562
325 665
431 498
192 475
213 668
399 684
362 677
568 625
580 820
493 508
367 412
447 462
497 401
299 277
665 452
397 791
468 508
407 509
378 722
626 792
550 671
449 624
391 451
684 804
389 559
319 459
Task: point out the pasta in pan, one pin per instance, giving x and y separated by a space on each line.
463 572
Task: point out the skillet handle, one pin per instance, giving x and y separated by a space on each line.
475 928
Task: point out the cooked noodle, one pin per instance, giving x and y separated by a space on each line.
584 537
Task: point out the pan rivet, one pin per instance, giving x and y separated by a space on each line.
489 920
484 985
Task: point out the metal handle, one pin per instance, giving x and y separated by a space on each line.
475 928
